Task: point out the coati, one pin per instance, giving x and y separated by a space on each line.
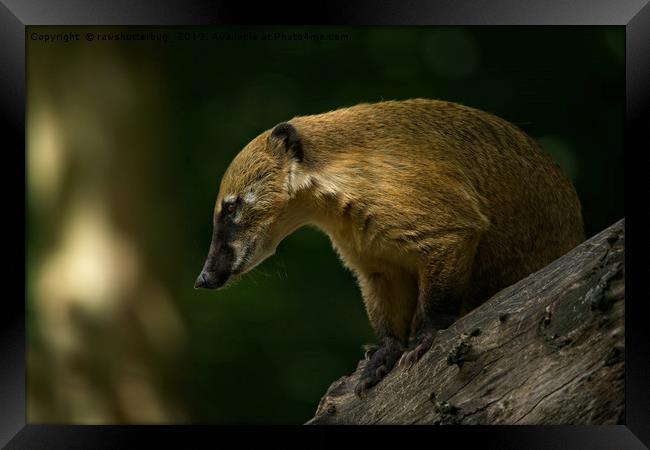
433 206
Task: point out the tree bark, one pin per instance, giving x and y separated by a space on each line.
546 350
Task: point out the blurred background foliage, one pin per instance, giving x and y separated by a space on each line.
127 142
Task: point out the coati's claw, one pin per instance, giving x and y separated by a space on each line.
412 356
424 339
377 367
369 350
407 359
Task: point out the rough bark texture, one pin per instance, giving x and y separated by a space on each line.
547 350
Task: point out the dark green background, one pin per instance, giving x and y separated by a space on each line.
265 350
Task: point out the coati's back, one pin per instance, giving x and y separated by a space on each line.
395 158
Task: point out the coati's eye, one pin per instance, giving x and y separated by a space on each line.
230 207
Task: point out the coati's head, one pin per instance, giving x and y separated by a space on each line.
251 214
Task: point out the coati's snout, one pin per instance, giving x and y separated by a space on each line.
231 246
218 266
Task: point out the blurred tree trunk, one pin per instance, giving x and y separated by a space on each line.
547 350
105 334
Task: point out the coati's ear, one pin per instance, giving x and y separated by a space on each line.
285 136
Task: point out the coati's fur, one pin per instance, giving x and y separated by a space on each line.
432 205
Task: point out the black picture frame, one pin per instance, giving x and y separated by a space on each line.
15 15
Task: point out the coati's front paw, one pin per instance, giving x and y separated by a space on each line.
422 345
381 362
425 338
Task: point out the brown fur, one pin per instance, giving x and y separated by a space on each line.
422 200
